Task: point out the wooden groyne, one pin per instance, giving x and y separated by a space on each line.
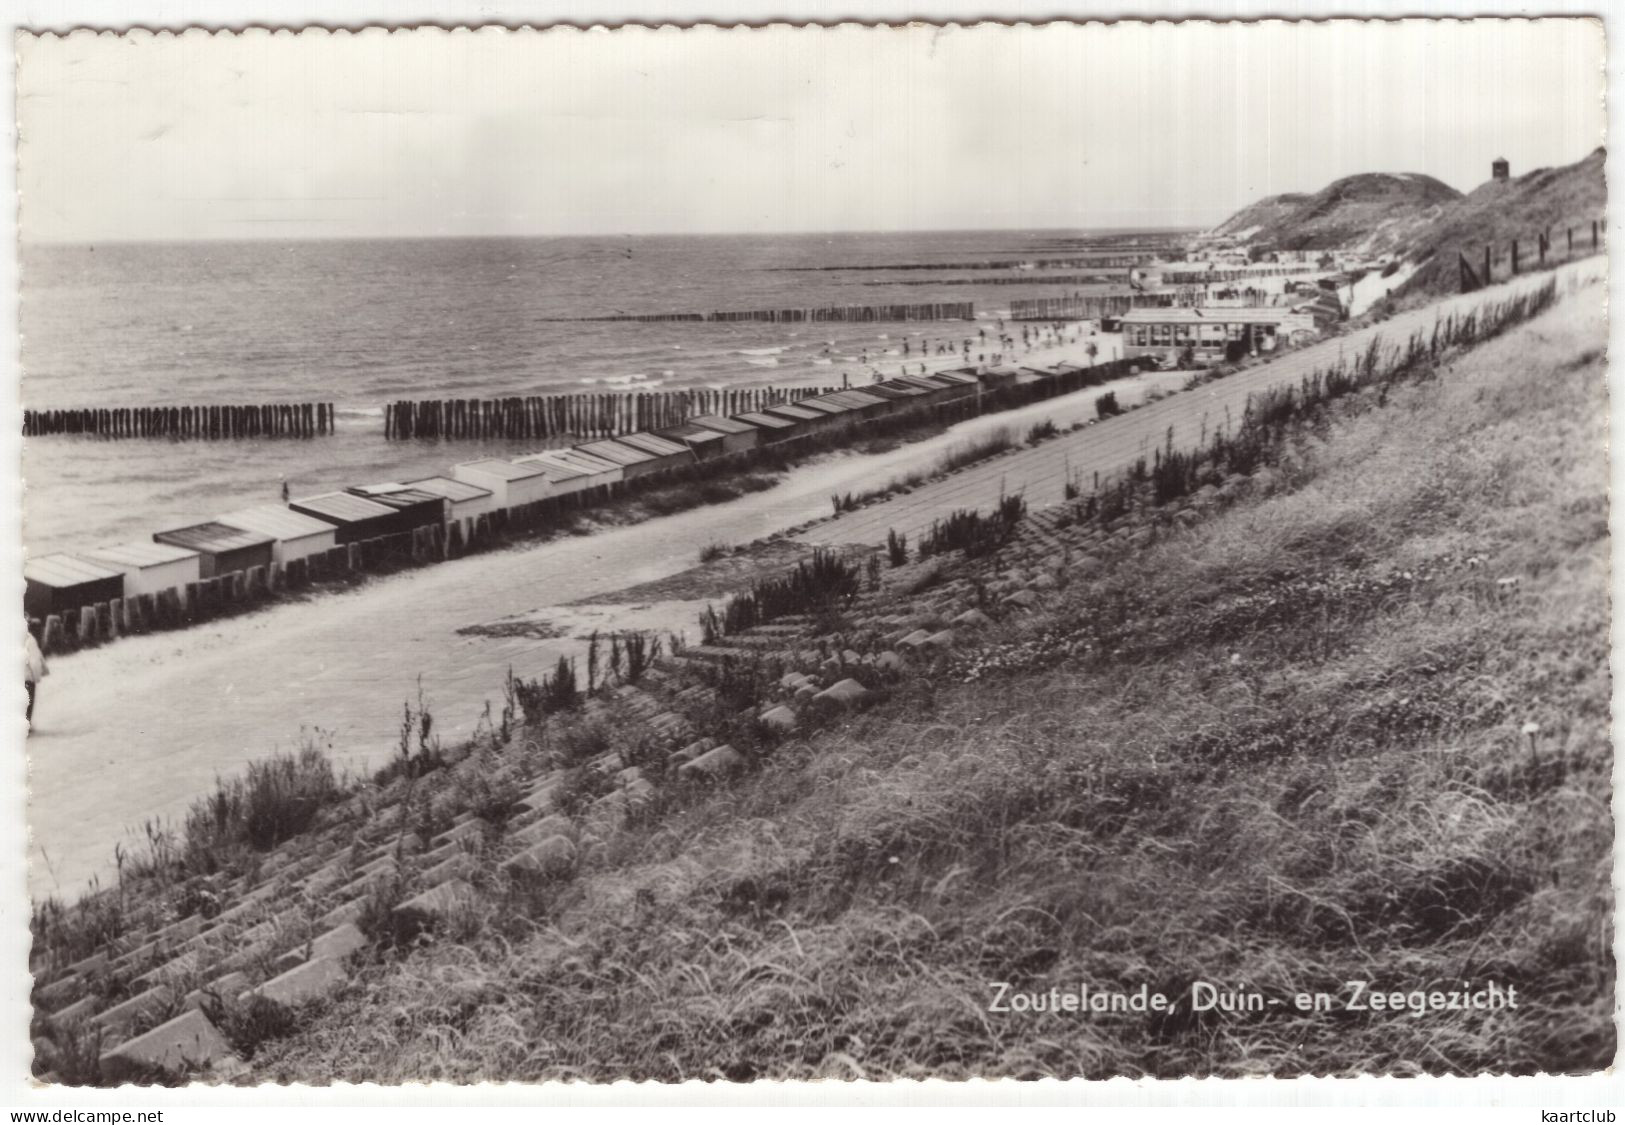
599 415
1206 276
288 419
1087 308
1031 277
856 314
1086 261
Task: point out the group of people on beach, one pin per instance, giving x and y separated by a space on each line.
970 349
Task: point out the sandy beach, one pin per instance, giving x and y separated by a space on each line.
135 731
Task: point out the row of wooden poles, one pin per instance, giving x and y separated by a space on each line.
598 415
1473 278
939 310
288 419
1199 277
1101 261
1087 308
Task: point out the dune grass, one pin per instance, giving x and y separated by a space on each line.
1355 726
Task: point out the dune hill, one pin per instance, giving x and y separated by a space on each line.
1419 219
1547 199
1375 212
1265 215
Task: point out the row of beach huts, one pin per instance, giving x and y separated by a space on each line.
188 573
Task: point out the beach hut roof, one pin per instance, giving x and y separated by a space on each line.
929 383
896 388
1244 314
799 413
586 461
686 432
616 452
212 537
568 464
276 521
547 464
825 404
454 490
856 399
765 421
383 489
895 394
346 507
404 497
652 444
722 425
502 470
141 553
65 570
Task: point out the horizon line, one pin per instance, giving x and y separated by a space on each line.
1129 228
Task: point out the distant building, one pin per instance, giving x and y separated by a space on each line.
1212 334
1500 170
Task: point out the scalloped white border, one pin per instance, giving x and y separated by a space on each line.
1414 1099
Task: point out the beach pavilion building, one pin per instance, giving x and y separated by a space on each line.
1212 334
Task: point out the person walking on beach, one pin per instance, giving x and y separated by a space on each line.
34 670
284 490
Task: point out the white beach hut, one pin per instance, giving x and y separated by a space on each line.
148 567
511 485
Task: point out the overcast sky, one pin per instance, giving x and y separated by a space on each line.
418 133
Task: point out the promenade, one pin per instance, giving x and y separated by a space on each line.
137 730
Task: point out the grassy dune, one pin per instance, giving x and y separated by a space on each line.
1281 748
